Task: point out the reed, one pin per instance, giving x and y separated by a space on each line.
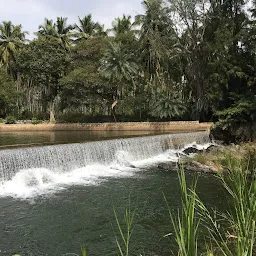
232 232
125 231
240 184
186 224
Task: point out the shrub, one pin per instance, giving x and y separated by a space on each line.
26 115
2 120
238 122
10 120
36 121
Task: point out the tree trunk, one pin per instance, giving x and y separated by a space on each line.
114 115
113 109
18 89
113 106
52 113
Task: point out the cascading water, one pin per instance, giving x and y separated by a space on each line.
28 171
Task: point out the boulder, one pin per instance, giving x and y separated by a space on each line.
191 150
188 166
198 167
169 166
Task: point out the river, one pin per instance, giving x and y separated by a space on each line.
55 208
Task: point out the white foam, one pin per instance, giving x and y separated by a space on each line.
198 146
32 182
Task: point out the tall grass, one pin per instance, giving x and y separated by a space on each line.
83 251
232 233
186 224
126 230
240 184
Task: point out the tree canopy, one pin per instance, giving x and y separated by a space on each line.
179 60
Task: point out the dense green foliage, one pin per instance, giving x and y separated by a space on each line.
179 60
8 93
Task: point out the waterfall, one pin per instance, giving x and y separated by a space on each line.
25 171
71 156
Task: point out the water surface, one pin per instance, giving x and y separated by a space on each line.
83 215
26 138
55 199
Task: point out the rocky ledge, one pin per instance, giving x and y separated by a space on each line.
188 163
190 166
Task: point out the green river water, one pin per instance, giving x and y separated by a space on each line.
60 222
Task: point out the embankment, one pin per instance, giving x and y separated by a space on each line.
188 126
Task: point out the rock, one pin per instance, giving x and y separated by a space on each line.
169 166
210 148
198 167
188 166
191 150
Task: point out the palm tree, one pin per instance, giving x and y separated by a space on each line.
59 30
169 105
122 25
152 20
12 38
64 32
154 27
47 29
118 65
156 40
86 27
100 31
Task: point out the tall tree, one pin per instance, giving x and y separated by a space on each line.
83 88
189 21
118 66
100 31
154 37
60 31
47 29
122 25
8 93
86 27
45 62
157 49
64 32
12 39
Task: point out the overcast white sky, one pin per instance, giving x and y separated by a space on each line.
31 13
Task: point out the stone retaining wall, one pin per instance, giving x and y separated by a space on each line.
135 126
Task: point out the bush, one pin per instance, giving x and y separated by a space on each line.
237 123
2 120
36 121
10 120
26 115
71 117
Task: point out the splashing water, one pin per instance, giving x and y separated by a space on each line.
28 172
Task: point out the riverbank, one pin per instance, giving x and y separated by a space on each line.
213 160
189 126
218 158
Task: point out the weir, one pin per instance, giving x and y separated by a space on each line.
68 157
